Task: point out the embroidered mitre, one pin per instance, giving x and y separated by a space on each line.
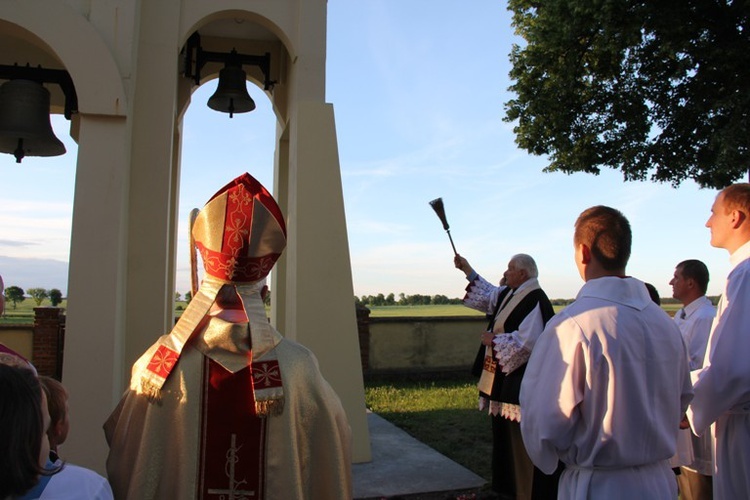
240 234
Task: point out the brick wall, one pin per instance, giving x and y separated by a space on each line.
49 341
363 327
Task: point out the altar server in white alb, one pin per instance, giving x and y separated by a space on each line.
722 386
689 285
608 381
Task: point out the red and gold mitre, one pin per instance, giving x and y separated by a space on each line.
240 233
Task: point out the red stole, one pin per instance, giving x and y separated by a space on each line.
232 450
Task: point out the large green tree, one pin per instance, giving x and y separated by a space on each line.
14 295
654 89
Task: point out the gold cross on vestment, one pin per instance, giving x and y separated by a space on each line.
232 493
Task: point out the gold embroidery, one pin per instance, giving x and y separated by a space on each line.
233 491
266 374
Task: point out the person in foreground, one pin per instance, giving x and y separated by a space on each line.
518 309
57 404
23 425
224 406
608 382
72 482
722 386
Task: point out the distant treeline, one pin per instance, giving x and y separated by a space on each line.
422 300
404 300
426 300
15 295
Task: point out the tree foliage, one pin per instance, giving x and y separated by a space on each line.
14 295
654 89
38 294
55 297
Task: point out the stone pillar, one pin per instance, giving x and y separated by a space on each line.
93 371
319 291
152 201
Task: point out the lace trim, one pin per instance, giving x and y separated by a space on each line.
478 294
509 353
511 412
505 410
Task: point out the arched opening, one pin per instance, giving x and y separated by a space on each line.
38 193
215 150
37 215
214 147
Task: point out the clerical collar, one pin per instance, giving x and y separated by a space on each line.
526 284
739 255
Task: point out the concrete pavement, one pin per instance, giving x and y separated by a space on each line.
403 467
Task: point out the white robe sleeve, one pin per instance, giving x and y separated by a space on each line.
513 349
724 381
551 391
509 354
481 295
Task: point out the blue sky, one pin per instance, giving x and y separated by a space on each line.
418 90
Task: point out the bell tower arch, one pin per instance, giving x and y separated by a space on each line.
127 61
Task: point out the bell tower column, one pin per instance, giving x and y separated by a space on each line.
153 176
93 368
318 268
317 292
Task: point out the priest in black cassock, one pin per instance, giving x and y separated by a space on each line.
517 310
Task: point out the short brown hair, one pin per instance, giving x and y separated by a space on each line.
57 397
695 270
606 232
737 197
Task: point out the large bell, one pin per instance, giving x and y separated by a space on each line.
25 128
231 94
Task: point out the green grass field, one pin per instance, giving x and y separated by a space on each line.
24 312
441 310
454 310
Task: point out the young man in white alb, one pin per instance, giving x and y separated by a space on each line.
608 382
722 386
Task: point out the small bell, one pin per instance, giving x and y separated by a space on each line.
231 94
25 128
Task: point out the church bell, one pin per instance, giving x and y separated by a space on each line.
25 128
231 94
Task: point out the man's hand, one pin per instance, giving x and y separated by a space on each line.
684 424
462 264
487 338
